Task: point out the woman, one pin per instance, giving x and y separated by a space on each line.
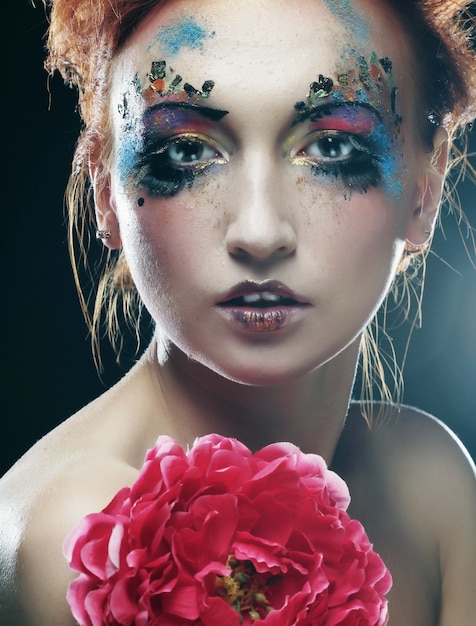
266 170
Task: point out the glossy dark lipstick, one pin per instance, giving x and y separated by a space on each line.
261 306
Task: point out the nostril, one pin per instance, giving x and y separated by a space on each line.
239 253
261 234
260 253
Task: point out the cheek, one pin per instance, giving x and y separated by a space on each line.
164 238
327 205
355 238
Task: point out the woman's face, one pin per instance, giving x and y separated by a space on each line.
265 176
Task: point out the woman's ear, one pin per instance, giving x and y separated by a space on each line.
429 193
106 214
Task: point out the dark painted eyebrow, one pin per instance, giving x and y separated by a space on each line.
304 113
215 115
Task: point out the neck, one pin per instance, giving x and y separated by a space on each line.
309 411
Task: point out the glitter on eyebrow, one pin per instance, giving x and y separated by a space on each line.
321 88
386 64
206 88
175 83
182 33
364 73
365 84
160 83
189 90
370 85
157 70
343 79
318 90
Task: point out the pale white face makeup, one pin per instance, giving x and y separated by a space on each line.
250 147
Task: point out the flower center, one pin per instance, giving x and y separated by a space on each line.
245 589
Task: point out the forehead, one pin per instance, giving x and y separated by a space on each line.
261 34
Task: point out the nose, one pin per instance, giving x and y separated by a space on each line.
260 226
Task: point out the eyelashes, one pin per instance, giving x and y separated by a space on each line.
169 166
350 158
175 164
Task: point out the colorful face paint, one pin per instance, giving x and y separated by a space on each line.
176 147
354 118
368 84
361 151
182 33
180 113
340 142
174 115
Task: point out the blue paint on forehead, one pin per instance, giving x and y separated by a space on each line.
182 33
344 11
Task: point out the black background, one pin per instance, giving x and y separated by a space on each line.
47 368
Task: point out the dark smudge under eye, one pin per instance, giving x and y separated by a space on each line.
168 166
357 175
164 181
359 171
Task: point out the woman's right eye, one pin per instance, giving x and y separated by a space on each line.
187 151
174 165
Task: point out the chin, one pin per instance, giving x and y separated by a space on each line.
261 375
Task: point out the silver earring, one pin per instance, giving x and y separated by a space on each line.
427 233
103 234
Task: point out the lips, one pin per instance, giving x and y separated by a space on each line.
262 295
261 300
262 307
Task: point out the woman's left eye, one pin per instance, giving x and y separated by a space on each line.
331 146
350 158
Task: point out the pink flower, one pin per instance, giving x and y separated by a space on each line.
221 536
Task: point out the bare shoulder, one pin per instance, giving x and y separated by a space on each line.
417 443
422 452
439 475
429 482
418 449
39 505
74 470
